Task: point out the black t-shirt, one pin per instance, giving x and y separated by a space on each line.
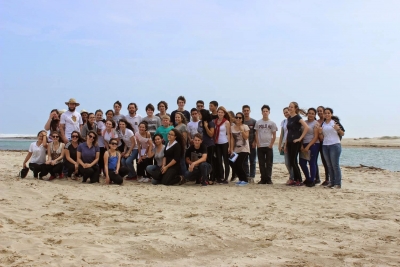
214 116
194 154
72 151
207 140
294 128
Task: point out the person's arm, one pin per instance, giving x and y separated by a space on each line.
228 133
256 139
245 133
28 156
315 138
44 141
79 159
61 156
232 143
209 131
197 162
273 139
62 132
305 130
140 152
84 131
106 167
338 127
151 152
94 162
48 161
280 139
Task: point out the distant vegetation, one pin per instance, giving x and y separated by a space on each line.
389 137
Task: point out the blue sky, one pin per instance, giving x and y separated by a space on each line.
341 54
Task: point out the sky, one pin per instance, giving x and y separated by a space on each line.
340 54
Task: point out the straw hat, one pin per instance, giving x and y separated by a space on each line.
72 101
84 111
61 111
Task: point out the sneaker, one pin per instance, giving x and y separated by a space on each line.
141 180
251 180
310 184
291 182
270 182
336 187
329 185
317 181
299 184
325 183
204 183
243 183
146 180
238 183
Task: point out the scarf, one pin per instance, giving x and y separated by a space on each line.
217 126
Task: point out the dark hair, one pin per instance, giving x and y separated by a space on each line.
117 103
180 140
183 118
128 125
285 108
146 125
41 131
112 123
97 111
205 115
80 139
193 109
298 110
150 106
110 110
321 107
95 137
181 97
335 118
264 106
246 106
113 139
134 105
164 103
198 135
90 127
200 101
159 135
215 103
313 109
54 122
242 116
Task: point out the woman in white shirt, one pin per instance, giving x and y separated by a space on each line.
331 132
37 156
130 151
222 135
144 142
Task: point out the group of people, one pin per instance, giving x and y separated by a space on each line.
199 145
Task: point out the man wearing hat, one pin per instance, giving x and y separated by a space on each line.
70 121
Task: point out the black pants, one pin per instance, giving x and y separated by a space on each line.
265 162
117 178
54 169
70 168
211 161
101 159
170 177
293 150
324 163
221 150
38 168
92 173
141 167
238 166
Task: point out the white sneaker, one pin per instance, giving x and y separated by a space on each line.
141 180
146 180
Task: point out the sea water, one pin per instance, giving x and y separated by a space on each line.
385 158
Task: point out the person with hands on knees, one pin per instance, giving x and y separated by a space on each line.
71 149
297 129
37 156
55 155
112 164
130 151
88 155
173 152
196 158
145 143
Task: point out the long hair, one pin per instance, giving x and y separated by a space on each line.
95 137
298 110
90 127
55 122
205 115
80 139
226 114
128 125
183 118
179 138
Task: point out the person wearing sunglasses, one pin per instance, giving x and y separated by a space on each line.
112 164
71 149
240 145
55 155
88 156
37 156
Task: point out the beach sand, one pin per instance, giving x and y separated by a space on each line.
384 141
65 223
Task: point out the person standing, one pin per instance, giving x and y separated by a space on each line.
117 115
200 105
265 138
321 111
130 151
162 107
213 106
181 101
281 145
206 127
133 118
193 125
70 121
222 138
250 170
153 122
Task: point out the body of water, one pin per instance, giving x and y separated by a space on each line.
385 158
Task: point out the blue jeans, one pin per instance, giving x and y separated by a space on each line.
128 162
202 171
332 155
288 167
310 175
252 157
154 172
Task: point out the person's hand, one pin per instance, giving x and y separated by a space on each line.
48 162
126 155
191 167
305 149
296 140
76 166
336 127
116 171
139 160
86 165
254 145
229 151
164 169
53 115
53 162
107 181
24 165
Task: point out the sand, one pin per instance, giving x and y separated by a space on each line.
383 142
65 223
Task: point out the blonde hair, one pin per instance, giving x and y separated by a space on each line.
297 109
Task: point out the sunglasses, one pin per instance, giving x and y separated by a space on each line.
74 136
114 143
239 118
92 136
55 136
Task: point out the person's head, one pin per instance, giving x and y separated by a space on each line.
162 106
239 118
200 104
143 126
294 109
76 137
132 108
91 118
150 109
113 143
246 110
181 101
180 118
56 114
72 104
109 114
205 115
55 119
99 115
165 120
117 107
232 115
124 124
197 140
84 115
91 137
311 113
41 134
195 114
213 106
286 112
328 114
158 139
223 114
320 111
55 136
265 109
175 135
110 124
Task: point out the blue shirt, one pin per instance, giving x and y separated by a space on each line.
88 154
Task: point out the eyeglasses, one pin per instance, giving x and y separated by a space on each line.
239 118
114 143
55 136
91 136
74 136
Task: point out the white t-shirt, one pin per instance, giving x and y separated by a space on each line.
100 126
108 135
222 137
134 121
127 137
38 153
192 128
72 121
285 130
264 131
331 136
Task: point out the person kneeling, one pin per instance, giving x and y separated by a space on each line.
112 163
196 158
88 155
